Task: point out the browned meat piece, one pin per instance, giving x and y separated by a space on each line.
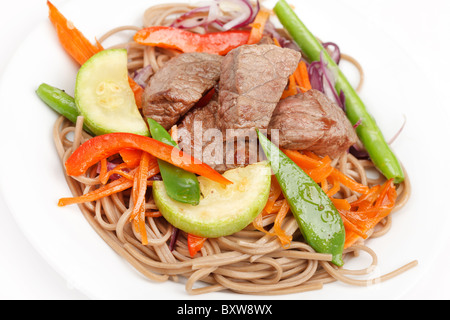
176 87
311 121
191 130
200 136
253 78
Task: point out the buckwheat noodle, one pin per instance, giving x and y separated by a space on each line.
248 262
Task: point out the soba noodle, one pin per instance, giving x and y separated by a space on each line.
248 262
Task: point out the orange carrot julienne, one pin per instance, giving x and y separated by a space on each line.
258 26
119 169
79 47
349 182
366 213
73 41
341 204
104 171
301 160
153 214
302 77
139 192
113 187
274 194
279 232
292 88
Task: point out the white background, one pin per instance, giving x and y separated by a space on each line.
421 26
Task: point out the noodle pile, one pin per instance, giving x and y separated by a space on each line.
247 262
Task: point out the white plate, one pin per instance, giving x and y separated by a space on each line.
31 177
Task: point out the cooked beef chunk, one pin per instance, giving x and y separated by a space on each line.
176 87
311 121
253 78
200 136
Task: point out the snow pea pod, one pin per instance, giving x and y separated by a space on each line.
181 185
368 131
319 221
60 101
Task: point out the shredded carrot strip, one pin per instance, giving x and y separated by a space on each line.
369 211
277 43
275 192
352 230
118 170
116 186
302 77
258 26
279 232
359 216
335 189
104 171
139 192
349 182
153 214
341 204
321 172
292 88
301 160
324 185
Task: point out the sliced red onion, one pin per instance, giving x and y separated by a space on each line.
284 42
398 132
323 78
142 76
215 13
173 238
110 165
192 19
336 53
358 152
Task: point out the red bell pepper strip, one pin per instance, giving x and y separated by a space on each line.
104 146
216 43
79 47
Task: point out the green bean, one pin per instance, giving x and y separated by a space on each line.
368 130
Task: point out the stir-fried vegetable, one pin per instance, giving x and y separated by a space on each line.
368 131
195 244
223 15
61 102
216 43
258 27
180 185
298 81
317 217
80 48
365 213
103 95
101 147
